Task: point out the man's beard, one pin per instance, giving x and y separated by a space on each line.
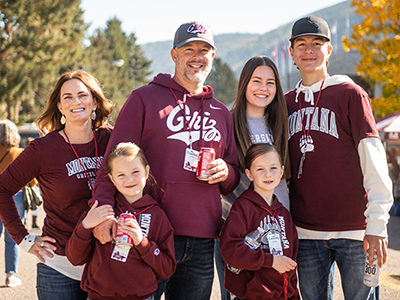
199 77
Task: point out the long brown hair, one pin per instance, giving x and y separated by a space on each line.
276 116
50 119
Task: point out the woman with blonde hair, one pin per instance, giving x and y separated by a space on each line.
65 162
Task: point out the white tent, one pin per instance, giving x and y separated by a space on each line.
389 123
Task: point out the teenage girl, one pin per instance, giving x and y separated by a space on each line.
114 272
259 116
259 240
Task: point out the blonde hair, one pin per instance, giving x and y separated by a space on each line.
9 136
50 119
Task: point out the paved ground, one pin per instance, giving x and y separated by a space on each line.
390 274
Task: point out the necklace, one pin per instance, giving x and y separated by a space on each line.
79 159
306 142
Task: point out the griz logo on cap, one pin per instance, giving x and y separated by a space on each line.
196 28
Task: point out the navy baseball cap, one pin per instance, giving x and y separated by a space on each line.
193 31
310 25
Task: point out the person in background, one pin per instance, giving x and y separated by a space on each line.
340 190
65 162
135 271
259 116
35 212
259 240
171 119
394 172
9 150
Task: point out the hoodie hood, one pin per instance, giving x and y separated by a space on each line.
167 81
255 197
138 205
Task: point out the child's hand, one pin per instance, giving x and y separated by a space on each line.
97 215
283 263
132 228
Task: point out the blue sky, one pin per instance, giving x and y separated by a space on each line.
157 20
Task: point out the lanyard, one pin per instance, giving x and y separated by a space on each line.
184 114
77 156
307 133
272 214
312 115
285 280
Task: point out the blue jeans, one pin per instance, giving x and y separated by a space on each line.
316 268
51 284
220 266
11 248
194 273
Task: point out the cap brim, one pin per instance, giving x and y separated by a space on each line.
313 34
195 39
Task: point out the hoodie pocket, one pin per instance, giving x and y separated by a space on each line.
133 277
193 208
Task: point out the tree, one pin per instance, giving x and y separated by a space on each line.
110 45
377 39
37 38
223 81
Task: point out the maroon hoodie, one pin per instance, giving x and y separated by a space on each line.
137 278
153 120
258 280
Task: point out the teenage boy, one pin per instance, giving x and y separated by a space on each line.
340 189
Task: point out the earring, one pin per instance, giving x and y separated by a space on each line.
62 120
93 115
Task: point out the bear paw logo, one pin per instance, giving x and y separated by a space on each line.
306 144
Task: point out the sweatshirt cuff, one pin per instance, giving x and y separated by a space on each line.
377 228
27 242
144 246
268 260
83 233
231 182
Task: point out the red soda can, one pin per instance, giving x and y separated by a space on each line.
206 156
124 240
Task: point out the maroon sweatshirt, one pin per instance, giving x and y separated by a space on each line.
137 278
258 280
153 120
330 194
65 188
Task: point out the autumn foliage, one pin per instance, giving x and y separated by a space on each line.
377 39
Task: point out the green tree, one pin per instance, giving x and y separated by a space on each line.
111 45
377 39
37 39
223 81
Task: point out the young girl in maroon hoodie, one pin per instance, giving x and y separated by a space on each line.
259 240
114 272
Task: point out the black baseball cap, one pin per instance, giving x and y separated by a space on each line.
193 31
310 25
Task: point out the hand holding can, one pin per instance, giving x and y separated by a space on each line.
371 272
206 156
124 240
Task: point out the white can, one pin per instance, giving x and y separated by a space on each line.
371 272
